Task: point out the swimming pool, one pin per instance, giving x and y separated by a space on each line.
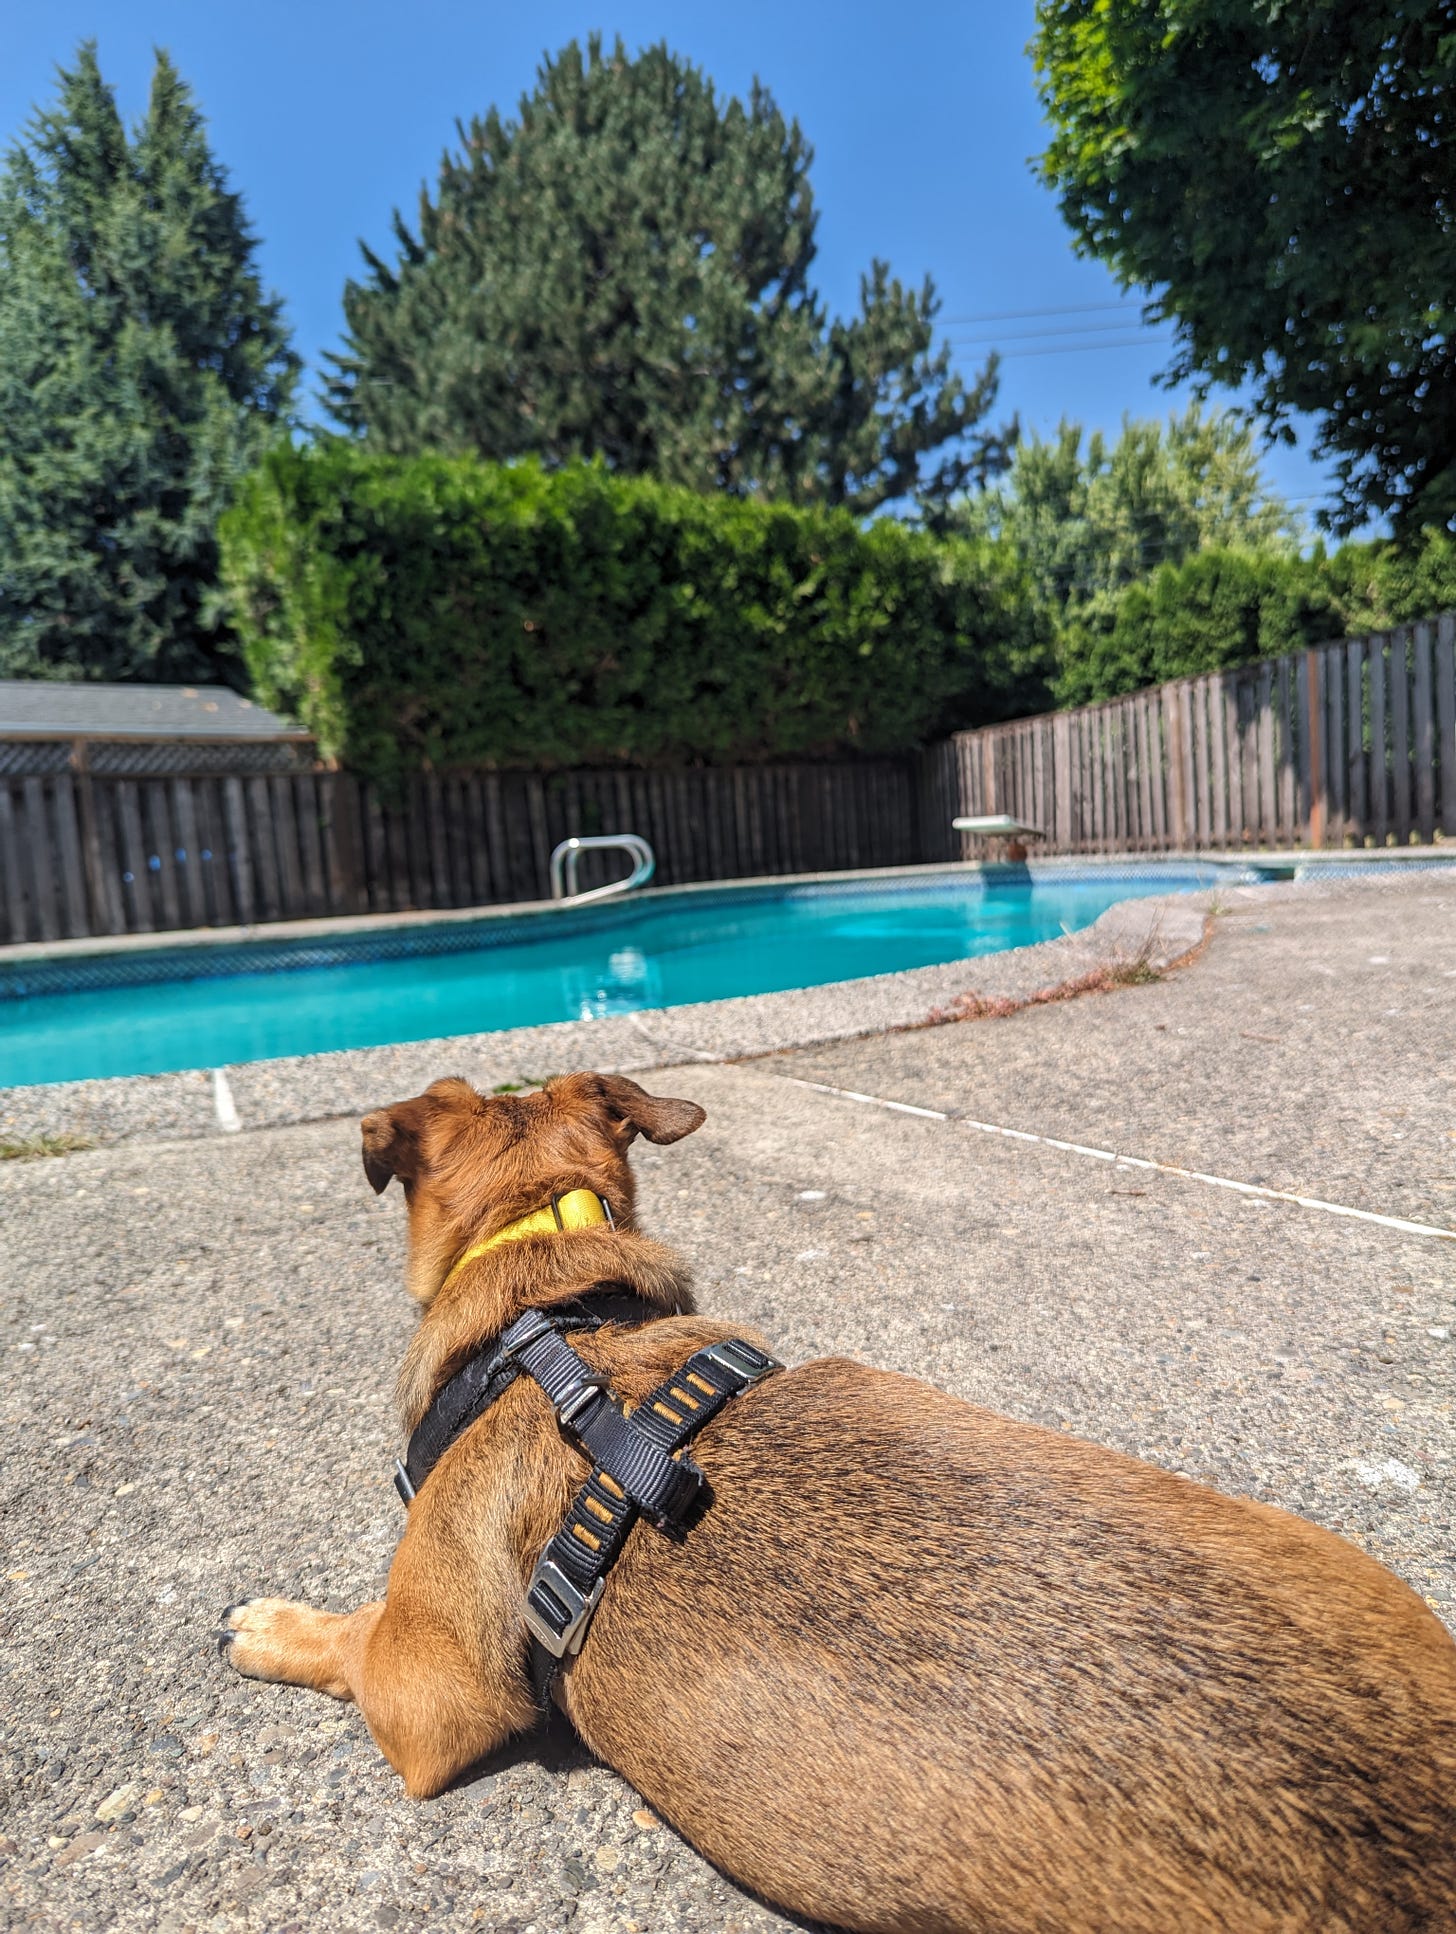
207 1005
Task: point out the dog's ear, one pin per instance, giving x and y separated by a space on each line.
632 1112
391 1146
392 1135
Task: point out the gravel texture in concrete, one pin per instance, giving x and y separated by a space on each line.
199 1339
1313 1050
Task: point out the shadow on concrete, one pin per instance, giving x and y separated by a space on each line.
556 1747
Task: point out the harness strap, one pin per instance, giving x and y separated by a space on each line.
491 1371
641 1466
571 1573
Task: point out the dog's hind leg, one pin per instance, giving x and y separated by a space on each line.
431 1707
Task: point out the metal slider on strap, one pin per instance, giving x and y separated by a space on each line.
576 1399
739 1359
524 1331
557 1613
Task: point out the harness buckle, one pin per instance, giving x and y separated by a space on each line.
570 1407
557 1613
740 1359
525 1330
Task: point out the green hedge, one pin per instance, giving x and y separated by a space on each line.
1395 584
1221 608
1216 609
444 613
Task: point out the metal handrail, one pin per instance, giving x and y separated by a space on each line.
567 857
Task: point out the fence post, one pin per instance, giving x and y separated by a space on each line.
1062 779
98 895
1423 734
1315 705
1446 719
1176 754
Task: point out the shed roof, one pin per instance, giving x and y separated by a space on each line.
64 708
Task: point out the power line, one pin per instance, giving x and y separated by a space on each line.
1089 348
1035 335
1035 315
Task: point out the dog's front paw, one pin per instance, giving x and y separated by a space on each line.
252 1636
274 1638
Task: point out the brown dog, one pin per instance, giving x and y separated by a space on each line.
917 1667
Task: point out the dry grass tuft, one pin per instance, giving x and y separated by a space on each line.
35 1148
1127 970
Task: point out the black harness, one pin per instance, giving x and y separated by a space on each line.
639 1469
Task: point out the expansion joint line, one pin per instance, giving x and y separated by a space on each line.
1141 1162
223 1105
664 1043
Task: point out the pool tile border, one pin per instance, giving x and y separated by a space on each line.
68 969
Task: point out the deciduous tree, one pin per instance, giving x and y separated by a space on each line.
1090 519
1280 176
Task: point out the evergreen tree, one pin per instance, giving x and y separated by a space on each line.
624 272
141 370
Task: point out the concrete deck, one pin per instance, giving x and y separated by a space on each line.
200 1337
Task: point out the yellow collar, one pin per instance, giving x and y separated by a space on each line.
577 1209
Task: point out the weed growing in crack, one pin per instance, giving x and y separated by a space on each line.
35 1148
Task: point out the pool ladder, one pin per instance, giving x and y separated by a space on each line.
567 857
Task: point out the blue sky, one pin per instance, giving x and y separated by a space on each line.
923 120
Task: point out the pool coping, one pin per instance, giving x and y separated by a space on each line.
1286 861
1157 930
289 947
350 926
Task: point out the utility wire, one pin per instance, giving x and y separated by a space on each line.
1036 335
1088 348
1035 315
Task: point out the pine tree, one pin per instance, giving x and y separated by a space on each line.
623 272
142 368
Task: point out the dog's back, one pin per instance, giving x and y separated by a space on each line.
921 1667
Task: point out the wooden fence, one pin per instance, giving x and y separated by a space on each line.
1351 743
1348 744
84 854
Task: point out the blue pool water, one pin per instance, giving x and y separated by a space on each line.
208 1006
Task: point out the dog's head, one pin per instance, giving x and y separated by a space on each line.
471 1163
